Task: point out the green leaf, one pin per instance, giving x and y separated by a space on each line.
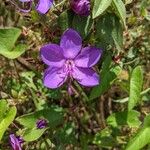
104 139
3 108
53 115
117 34
100 6
85 25
16 52
120 10
33 134
142 137
136 83
109 35
66 135
7 120
65 20
108 75
8 38
147 121
130 118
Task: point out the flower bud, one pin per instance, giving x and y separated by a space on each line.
81 7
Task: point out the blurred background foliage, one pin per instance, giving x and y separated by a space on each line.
114 115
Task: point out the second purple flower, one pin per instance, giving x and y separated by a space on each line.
42 6
70 61
81 7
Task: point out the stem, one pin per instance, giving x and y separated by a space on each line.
15 66
60 3
56 8
101 110
34 99
81 91
16 126
145 91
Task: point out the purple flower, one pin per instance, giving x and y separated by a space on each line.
16 142
42 7
70 60
81 7
41 123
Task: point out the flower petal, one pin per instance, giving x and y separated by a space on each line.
52 55
81 7
88 57
86 76
15 142
54 77
44 5
71 43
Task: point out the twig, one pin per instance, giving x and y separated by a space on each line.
26 64
15 66
101 110
81 91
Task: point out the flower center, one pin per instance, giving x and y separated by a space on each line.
69 65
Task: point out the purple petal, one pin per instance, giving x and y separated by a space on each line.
41 123
16 145
52 55
44 5
88 57
86 76
81 7
54 77
71 43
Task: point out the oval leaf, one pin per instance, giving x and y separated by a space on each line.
120 10
130 118
100 6
136 83
108 75
141 139
33 134
9 117
8 38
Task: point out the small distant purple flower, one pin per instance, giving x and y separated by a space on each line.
70 61
42 6
16 142
41 123
81 7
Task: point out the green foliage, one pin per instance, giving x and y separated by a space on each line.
141 138
104 139
8 38
7 115
120 10
3 108
65 20
136 83
144 9
111 119
109 36
108 75
54 116
100 6
66 135
85 25
130 118
30 135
